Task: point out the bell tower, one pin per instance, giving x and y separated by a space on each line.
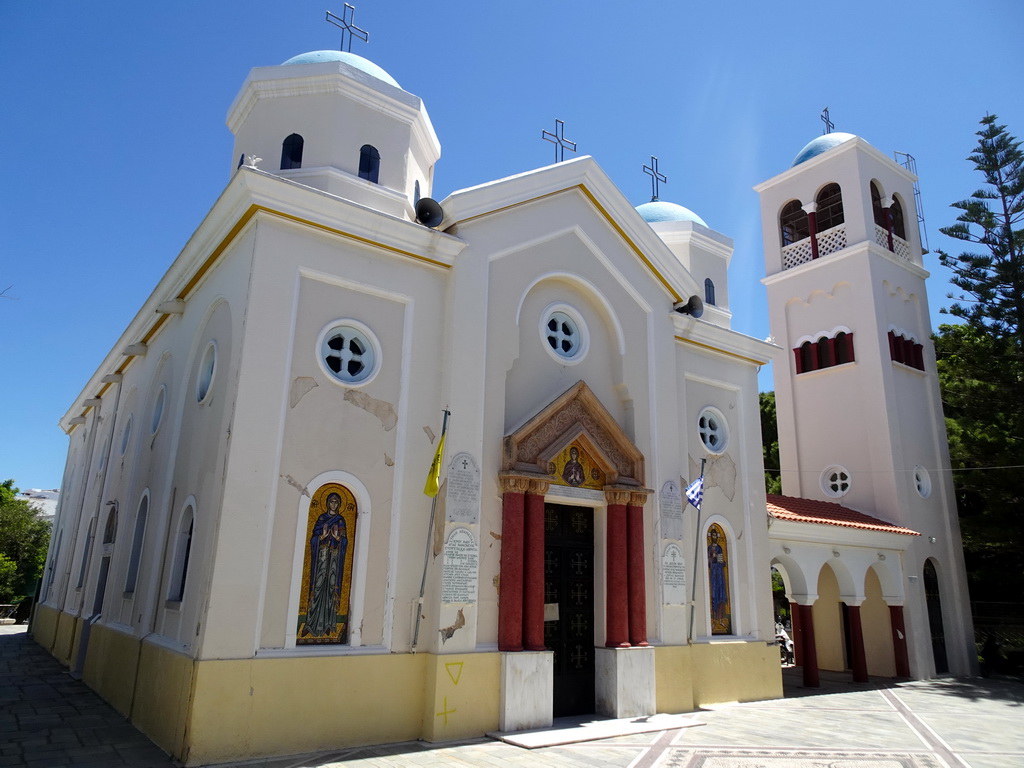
337 122
857 393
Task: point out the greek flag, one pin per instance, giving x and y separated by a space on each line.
695 492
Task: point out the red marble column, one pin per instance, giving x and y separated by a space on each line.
810 653
888 227
798 640
616 587
636 576
860 661
533 568
899 641
510 585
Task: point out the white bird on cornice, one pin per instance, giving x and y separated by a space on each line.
252 160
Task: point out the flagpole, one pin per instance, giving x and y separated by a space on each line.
426 549
696 550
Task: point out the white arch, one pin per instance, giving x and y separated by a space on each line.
360 555
588 288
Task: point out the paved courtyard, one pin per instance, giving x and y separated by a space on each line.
47 719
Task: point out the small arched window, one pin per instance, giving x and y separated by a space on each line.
709 291
876 206
824 353
110 530
137 540
844 348
291 152
369 163
830 207
182 553
899 228
793 223
807 358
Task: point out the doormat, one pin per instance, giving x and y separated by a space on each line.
574 731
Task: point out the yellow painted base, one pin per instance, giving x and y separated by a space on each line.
110 665
230 710
462 696
689 677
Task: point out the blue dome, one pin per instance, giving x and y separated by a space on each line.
364 65
657 210
821 144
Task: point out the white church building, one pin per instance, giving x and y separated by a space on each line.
244 561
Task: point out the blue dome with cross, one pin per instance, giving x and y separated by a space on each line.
821 145
659 210
353 60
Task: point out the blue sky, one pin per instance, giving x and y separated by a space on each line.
113 115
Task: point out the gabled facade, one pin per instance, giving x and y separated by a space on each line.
244 560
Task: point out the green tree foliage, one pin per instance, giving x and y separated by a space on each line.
24 538
992 281
770 443
981 367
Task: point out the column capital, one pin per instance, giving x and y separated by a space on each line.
638 498
513 483
617 496
887 201
538 487
810 208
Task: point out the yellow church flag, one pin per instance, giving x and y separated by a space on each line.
434 475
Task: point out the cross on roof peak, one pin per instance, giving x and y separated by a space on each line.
829 125
558 139
652 171
344 22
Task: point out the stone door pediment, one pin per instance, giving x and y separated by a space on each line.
574 416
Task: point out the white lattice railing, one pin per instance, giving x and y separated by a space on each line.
899 246
829 241
797 253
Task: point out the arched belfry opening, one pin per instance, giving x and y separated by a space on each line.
572 525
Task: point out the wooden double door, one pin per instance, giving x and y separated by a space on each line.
569 605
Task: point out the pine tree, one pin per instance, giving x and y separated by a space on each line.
981 368
992 217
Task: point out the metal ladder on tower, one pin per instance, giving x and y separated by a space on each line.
910 164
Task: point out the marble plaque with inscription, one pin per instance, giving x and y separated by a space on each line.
670 502
461 567
673 576
463 490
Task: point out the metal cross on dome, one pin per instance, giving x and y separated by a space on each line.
652 171
558 139
829 125
344 22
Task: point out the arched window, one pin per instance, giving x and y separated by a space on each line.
807 357
369 163
825 352
291 152
793 223
709 291
110 530
830 207
876 206
844 348
899 228
182 552
137 540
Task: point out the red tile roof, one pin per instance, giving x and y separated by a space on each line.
828 513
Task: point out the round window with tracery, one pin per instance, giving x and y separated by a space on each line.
349 353
564 333
835 482
712 429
